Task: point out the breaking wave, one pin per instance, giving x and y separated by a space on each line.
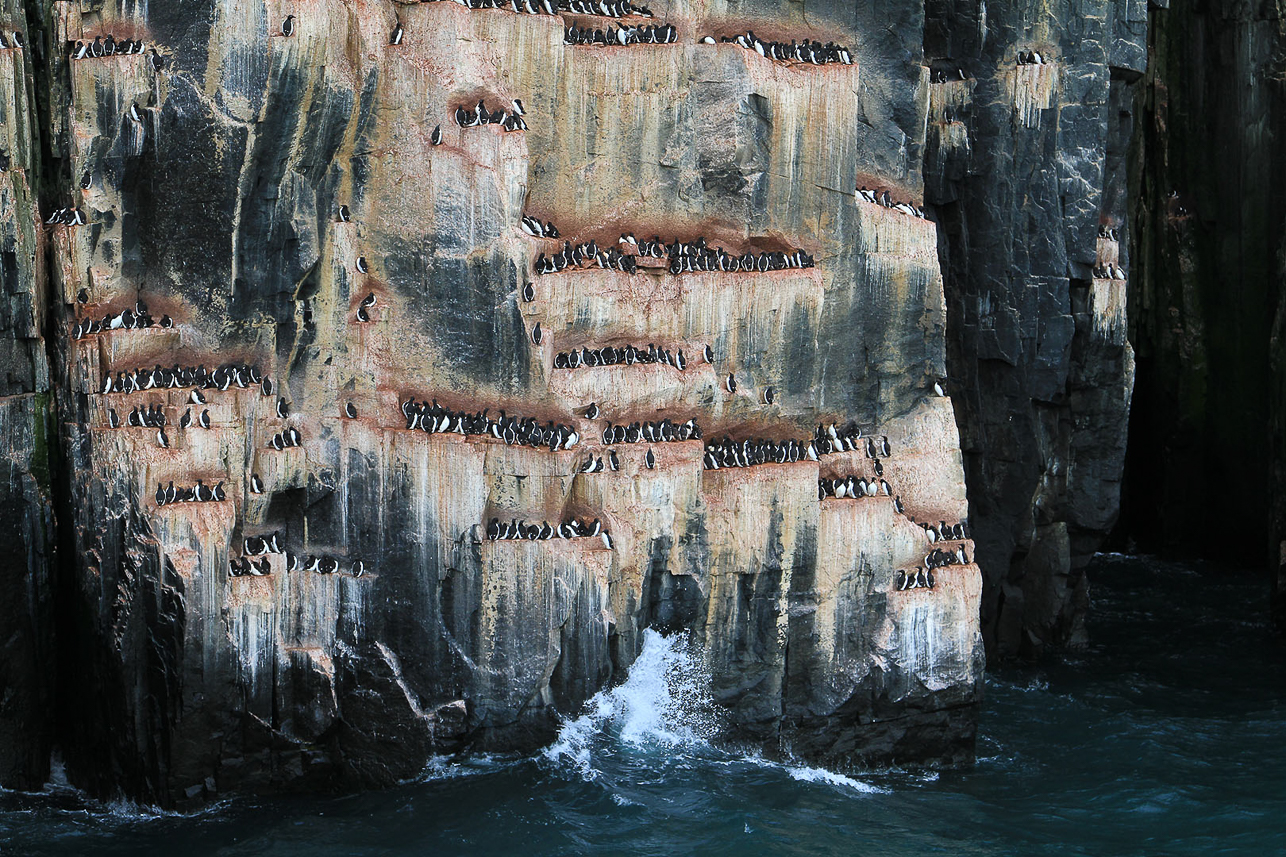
664 703
661 718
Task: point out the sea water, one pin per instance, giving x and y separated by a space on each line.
1167 736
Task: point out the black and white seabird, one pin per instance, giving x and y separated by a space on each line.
528 292
435 139
361 265
266 386
256 484
204 420
396 38
186 419
344 215
709 354
162 439
650 459
369 300
133 112
731 383
113 421
536 335
288 26
359 567
197 398
591 413
350 411
362 315
283 410
167 322
937 389
769 395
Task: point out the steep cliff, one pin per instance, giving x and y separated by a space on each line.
27 434
282 206
1207 305
1025 171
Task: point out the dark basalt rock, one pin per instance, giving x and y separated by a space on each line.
1206 298
1041 371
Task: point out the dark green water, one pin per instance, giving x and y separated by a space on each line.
1167 737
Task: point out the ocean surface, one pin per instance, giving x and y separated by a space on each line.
1166 737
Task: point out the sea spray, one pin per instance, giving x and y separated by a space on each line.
664 705
665 702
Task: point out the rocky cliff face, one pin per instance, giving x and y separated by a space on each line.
1207 305
27 435
1026 169
211 188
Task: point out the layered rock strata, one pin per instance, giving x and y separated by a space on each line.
287 202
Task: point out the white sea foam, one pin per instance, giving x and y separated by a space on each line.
449 767
821 775
665 702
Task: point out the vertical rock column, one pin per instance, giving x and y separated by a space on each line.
28 452
1024 169
1207 307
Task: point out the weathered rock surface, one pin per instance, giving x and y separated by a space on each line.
1207 304
218 206
1024 164
27 439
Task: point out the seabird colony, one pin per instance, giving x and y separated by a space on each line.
431 418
